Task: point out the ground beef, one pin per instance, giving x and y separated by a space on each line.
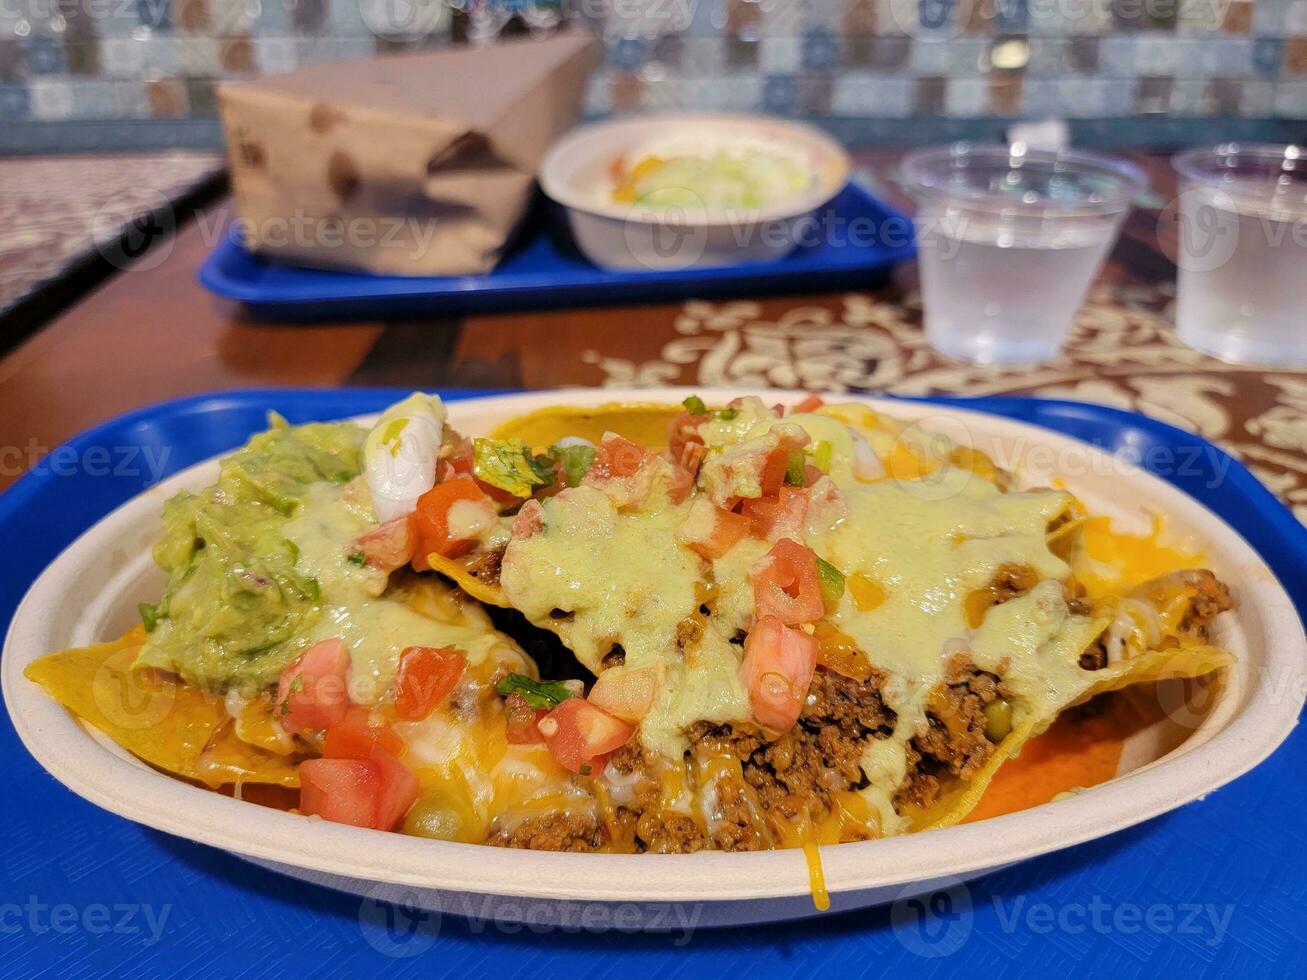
805 767
954 741
1212 599
1094 657
486 566
652 829
668 832
559 831
801 770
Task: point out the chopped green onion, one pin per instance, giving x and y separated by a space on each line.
356 558
821 456
695 406
796 470
509 465
576 462
726 414
538 694
831 581
150 616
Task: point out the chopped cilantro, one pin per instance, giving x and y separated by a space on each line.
509 465
695 406
575 460
538 694
356 558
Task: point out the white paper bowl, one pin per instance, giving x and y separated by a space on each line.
576 174
90 593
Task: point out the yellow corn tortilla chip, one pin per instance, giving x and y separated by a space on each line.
1158 665
168 724
455 569
645 424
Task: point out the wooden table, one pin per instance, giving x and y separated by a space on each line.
152 333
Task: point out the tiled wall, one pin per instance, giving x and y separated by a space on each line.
65 60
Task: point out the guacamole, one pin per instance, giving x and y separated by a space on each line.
237 606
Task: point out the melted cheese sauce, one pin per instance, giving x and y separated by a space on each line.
374 627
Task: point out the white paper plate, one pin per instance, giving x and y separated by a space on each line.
90 594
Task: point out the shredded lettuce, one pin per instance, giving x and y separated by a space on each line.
575 462
509 465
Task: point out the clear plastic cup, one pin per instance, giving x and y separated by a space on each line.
1241 253
1009 241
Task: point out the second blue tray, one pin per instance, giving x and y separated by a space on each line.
544 270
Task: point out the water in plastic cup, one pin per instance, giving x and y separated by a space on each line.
1009 242
1241 253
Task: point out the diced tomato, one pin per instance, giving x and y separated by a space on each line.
781 514
425 677
683 432
809 404
777 671
618 456
357 734
313 692
711 531
528 521
773 471
692 457
431 519
777 461
625 693
580 735
390 546
340 790
398 790
522 721
375 793
786 584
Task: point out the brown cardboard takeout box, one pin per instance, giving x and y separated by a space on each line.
416 164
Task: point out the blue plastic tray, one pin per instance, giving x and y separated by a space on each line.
544 270
1217 887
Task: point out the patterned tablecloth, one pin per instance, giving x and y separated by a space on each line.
54 211
1123 352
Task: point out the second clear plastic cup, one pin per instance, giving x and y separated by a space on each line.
1009 241
1241 251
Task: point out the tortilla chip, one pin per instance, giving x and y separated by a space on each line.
960 799
645 424
160 720
457 570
